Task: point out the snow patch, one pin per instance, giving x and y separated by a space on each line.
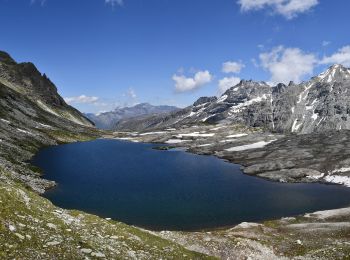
205 119
192 114
296 126
315 177
236 135
249 146
128 139
216 128
344 180
237 108
195 134
228 140
205 145
222 99
304 93
153 133
175 141
343 169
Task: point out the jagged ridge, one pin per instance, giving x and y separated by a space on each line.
24 78
318 105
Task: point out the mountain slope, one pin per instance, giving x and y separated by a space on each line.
318 105
25 79
108 120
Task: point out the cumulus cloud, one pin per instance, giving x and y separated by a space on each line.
83 99
227 82
342 56
288 64
114 2
232 67
288 8
183 83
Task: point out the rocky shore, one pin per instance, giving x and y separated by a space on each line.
317 157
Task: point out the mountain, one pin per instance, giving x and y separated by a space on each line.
33 115
317 105
24 79
108 120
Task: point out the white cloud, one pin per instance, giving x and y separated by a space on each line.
114 2
227 82
325 43
81 100
288 8
183 84
130 98
232 67
342 56
131 93
288 64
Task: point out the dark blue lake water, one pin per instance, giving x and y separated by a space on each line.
171 190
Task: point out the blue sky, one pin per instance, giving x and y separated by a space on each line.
103 54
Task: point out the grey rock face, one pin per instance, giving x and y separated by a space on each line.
318 105
108 120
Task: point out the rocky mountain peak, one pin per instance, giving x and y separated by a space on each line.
335 73
25 79
6 58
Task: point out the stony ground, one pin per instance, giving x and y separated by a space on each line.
321 235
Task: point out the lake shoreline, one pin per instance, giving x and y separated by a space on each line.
149 149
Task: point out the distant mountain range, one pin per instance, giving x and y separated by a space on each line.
317 105
108 120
